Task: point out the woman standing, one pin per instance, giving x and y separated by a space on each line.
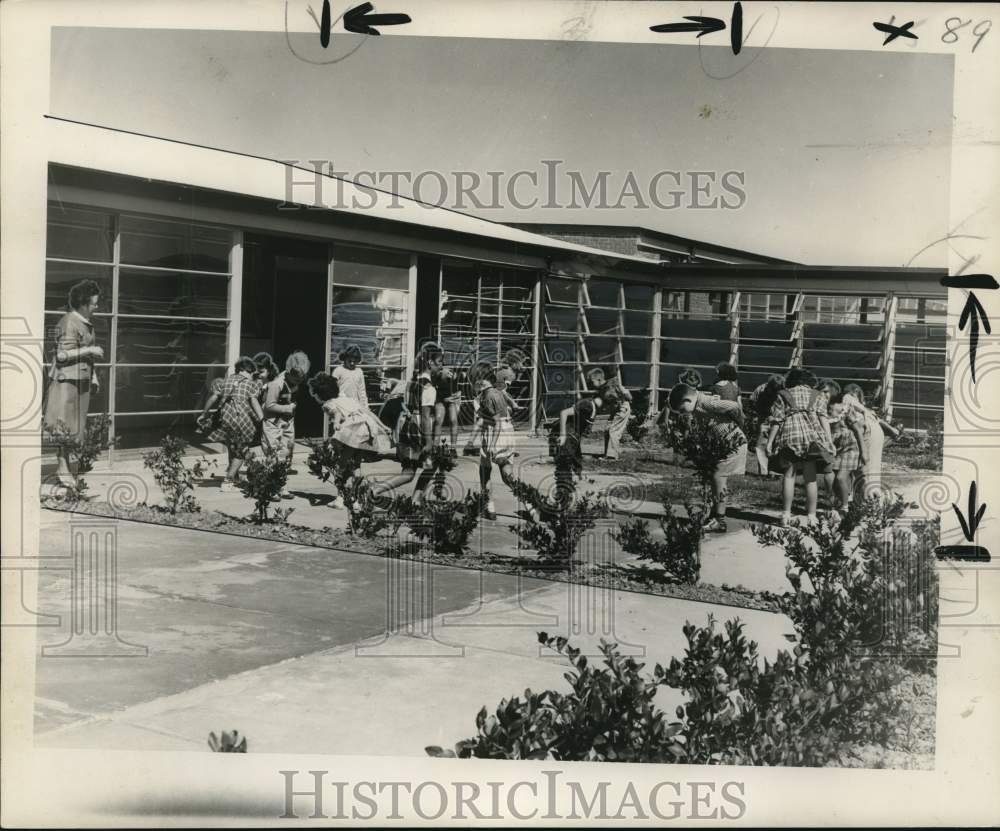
72 377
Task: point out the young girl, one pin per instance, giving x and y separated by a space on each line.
501 377
498 440
617 403
870 474
762 400
564 444
800 436
362 436
727 382
413 435
725 418
278 429
239 417
350 377
847 429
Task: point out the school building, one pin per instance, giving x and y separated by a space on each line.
203 256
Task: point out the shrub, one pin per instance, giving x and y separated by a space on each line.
679 553
367 516
172 476
608 716
266 477
446 524
804 708
554 528
96 439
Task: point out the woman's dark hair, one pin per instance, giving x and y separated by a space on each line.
81 293
726 372
323 386
263 360
678 393
798 377
428 352
828 382
352 351
856 391
245 364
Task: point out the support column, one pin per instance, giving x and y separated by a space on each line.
654 358
734 329
536 352
889 353
411 317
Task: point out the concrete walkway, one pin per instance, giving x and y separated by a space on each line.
317 651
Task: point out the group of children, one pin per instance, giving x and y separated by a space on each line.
806 426
255 407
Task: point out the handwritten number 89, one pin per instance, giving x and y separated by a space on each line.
953 24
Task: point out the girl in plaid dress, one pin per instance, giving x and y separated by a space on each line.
239 417
800 435
847 429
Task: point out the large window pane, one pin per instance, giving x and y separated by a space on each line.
370 267
171 341
147 430
154 389
560 319
639 297
79 234
602 321
603 293
635 349
179 294
166 244
638 323
369 307
562 291
60 277
601 349
561 351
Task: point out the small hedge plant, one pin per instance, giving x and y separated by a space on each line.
173 477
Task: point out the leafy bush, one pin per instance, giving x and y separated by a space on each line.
699 442
172 476
554 528
96 439
608 716
266 477
804 708
367 515
679 553
446 524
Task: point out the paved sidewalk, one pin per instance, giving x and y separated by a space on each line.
289 645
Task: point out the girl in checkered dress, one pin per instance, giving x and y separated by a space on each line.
800 436
847 429
239 417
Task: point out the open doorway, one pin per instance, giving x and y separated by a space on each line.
285 309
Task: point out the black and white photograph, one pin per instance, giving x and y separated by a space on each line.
490 388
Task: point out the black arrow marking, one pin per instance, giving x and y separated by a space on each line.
972 314
701 25
970 281
324 26
736 29
975 516
358 20
894 32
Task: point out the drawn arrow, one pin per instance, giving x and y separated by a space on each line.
701 25
972 314
358 20
975 516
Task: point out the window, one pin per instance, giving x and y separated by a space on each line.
164 317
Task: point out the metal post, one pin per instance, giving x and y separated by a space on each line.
411 319
536 351
654 358
113 346
889 353
734 329
329 326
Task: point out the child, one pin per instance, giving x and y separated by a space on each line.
727 382
506 371
847 428
239 416
414 436
498 440
359 432
567 433
870 475
800 436
350 378
616 401
828 387
725 418
761 401
278 427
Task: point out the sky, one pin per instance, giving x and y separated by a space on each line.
843 157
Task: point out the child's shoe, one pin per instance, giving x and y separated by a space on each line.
336 503
716 525
490 511
227 486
